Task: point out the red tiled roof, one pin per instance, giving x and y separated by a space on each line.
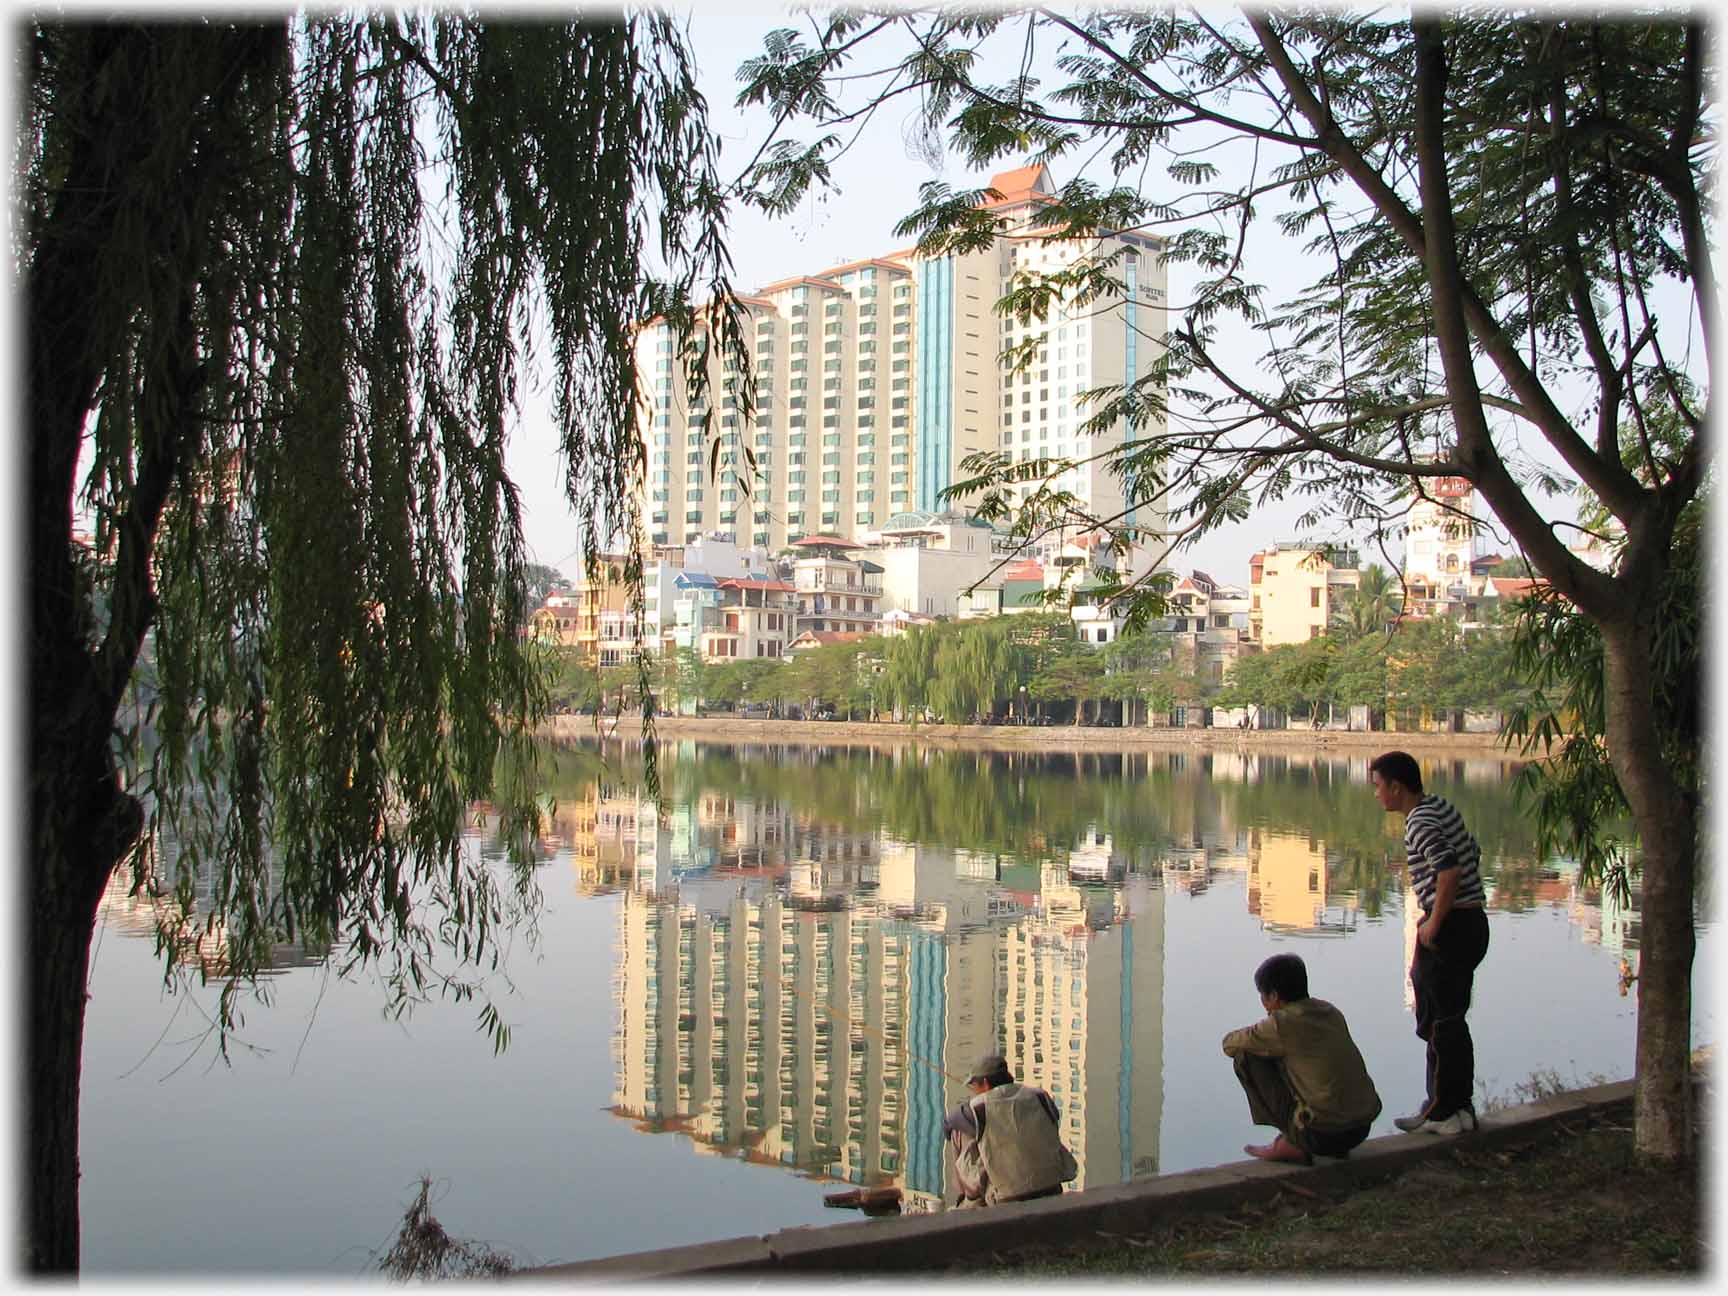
793 282
831 540
1020 184
896 266
1514 587
742 583
1025 569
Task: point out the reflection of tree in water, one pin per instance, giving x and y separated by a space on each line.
1157 807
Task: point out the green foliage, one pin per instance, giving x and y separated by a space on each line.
541 580
1572 793
1370 607
315 291
1421 665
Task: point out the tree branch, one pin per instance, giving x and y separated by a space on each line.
1609 480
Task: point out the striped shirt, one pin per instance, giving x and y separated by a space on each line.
1435 839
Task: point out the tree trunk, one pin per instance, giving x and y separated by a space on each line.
80 825
1666 820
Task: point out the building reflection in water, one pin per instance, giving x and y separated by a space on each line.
801 995
814 998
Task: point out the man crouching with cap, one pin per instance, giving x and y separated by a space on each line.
1007 1139
1301 1070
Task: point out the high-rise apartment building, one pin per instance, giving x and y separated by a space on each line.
873 380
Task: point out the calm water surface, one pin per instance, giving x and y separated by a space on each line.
770 986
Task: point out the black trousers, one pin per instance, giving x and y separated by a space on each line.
1442 979
1271 1101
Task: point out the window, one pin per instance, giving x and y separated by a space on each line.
1314 632
1314 597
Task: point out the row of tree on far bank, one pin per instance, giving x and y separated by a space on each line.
1034 669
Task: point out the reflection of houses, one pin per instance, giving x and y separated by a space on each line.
771 1024
1083 1017
1189 865
1287 887
600 830
194 941
1095 858
766 1032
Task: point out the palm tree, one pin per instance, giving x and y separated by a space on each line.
1376 603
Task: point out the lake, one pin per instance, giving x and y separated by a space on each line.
773 984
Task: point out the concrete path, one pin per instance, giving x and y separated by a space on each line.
912 1243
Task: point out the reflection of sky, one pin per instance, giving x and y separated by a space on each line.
302 1154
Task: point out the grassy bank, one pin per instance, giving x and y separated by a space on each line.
1571 1201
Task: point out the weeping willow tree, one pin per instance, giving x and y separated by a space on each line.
284 284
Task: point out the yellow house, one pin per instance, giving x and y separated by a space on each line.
1293 590
573 620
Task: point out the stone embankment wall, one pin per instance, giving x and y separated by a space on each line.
833 733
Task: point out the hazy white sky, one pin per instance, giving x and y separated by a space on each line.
877 182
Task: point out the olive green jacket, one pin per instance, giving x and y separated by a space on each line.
1321 1061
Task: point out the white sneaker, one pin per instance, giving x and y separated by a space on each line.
1462 1121
1410 1124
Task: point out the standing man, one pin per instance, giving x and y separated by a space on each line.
1451 939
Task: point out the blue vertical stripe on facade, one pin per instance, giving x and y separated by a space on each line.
924 1045
1125 1076
935 414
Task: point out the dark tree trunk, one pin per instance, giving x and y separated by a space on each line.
1667 827
81 824
80 820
